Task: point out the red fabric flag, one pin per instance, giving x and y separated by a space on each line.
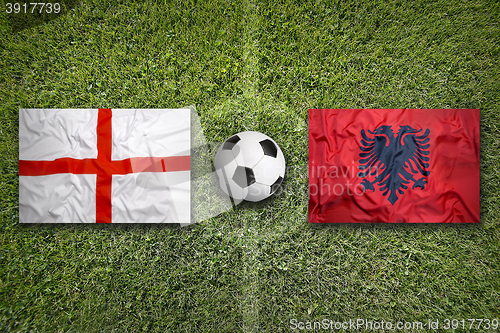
393 165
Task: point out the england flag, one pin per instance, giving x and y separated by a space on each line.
104 166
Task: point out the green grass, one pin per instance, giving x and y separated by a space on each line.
250 66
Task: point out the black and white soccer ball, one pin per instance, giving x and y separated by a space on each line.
250 166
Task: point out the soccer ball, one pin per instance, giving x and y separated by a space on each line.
250 166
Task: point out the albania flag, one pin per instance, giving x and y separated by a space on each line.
393 165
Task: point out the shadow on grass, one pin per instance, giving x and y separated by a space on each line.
20 21
421 226
120 227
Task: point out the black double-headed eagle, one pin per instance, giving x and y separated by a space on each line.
393 160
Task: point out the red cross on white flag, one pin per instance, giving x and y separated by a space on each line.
104 165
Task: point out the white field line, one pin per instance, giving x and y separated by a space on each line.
251 252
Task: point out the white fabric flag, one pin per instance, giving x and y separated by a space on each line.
104 165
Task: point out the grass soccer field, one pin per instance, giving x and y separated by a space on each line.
249 65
